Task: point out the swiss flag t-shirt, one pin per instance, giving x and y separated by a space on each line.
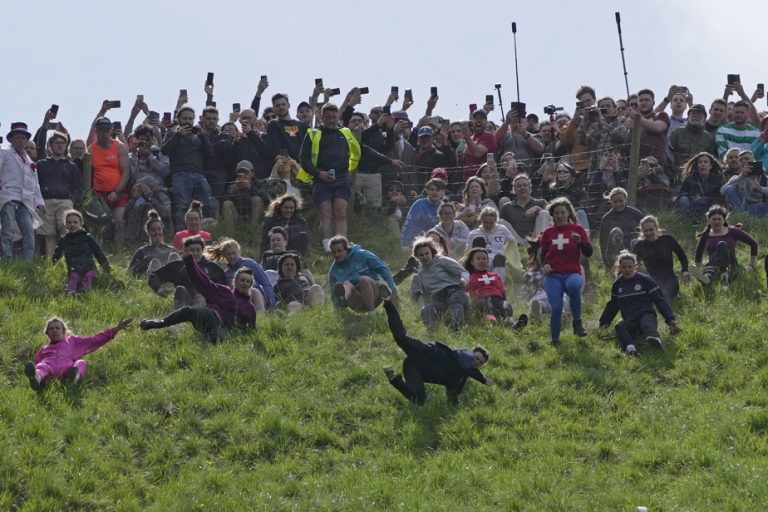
560 252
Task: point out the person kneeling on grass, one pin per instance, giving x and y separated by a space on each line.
225 307
486 289
432 363
634 295
62 356
358 278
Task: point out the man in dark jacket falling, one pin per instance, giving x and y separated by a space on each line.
432 363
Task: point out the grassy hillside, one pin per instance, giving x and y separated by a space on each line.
299 416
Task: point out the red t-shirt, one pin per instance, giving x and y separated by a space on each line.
471 164
655 144
178 239
485 284
560 252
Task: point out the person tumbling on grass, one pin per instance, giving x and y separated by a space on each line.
432 363
358 278
79 249
634 295
62 356
225 306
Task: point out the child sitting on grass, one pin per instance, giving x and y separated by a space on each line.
486 290
62 356
79 249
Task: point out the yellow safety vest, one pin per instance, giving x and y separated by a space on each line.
354 152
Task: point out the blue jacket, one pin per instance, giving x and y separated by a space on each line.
422 216
260 279
359 262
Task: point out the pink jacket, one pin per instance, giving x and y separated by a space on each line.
72 348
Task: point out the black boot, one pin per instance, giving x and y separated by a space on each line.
151 324
578 329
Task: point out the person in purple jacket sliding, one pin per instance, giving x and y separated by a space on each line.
224 308
62 357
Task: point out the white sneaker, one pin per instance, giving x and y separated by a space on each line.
631 350
724 281
327 245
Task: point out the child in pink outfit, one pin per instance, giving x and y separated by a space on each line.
62 356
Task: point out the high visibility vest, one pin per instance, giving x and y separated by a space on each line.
354 152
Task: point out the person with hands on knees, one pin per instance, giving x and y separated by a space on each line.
62 356
20 196
225 306
719 241
79 249
561 247
635 295
432 363
358 279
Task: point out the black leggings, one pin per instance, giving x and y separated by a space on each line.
202 318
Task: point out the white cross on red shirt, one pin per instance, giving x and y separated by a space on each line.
486 279
560 241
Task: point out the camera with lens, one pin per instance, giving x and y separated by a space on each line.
592 113
551 109
756 168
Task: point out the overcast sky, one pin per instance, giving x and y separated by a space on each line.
80 53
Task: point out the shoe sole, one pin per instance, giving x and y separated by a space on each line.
654 342
29 371
699 275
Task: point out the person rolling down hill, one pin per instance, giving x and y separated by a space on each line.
432 363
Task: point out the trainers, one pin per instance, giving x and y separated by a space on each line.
389 372
631 350
699 274
341 294
71 376
491 318
327 245
522 321
148 324
654 341
412 265
31 373
359 202
578 329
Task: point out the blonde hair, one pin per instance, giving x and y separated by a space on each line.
53 320
216 252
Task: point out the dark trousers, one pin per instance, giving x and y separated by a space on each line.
627 330
202 318
668 283
411 384
725 258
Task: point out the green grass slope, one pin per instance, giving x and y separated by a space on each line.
299 416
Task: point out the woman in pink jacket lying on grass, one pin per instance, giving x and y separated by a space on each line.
62 356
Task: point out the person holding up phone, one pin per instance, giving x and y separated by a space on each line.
478 144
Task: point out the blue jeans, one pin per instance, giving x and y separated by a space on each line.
12 213
188 185
733 198
554 286
685 204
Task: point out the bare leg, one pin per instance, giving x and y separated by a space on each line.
340 216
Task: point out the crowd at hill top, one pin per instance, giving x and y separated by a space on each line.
461 196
